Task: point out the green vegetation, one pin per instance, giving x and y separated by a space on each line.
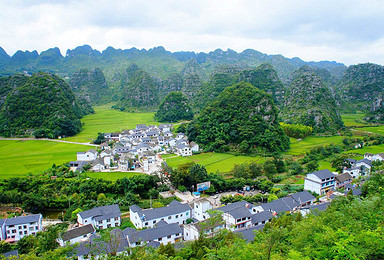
22 157
107 120
353 119
89 85
214 162
43 105
309 102
243 119
111 176
174 108
296 130
303 146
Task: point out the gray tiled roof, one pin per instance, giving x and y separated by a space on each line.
77 232
323 174
101 213
238 209
319 207
343 177
23 220
11 253
365 161
248 233
150 234
280 205
261 216
98 247
355 192
303 197
2 221
173 208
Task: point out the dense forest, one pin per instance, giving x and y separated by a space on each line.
174 108
242 118
42 105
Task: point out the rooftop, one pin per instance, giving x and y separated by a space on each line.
23 219
100 213
148 235
175 207
77 232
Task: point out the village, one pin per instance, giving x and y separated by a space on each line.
136 149
189 218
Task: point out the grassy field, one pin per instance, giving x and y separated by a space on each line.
373 129
303 146
353 119
111 176
370 149
214 161
107 120
22 157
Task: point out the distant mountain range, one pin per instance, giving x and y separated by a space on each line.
157 62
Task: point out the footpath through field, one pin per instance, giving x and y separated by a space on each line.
53 140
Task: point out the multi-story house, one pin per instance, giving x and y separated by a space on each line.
320 181
175 212
101 217
18 227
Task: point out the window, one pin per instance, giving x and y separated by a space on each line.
181 215
170 217
177 216
100 222
108 220
177 234
116 219
160 239
146 223
7 231
116 224
109 225
186 213
31 228
197 206
25 232
36 228
20 232
154 222
25 226
13 231
20 227
168 237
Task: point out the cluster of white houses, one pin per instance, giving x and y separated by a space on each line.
175 222
323 181
135 148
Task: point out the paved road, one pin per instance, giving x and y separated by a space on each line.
52 140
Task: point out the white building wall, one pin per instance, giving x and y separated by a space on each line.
312 183
87 156
19 231
179 218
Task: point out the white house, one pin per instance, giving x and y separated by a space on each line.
374 157
100 217
18 227
343 179
172 142
194 147
162 233
184 150
175 212
76 235
105 153
87 156
200 208
180 136
2 229
98 165
238 214
165 128
192 231
359 168
320 181
168 133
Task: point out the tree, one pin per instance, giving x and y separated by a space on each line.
272 197
296 168
174 108
312 166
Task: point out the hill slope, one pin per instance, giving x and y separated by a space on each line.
42 104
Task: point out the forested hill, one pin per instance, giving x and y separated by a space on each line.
156 61
42 105
310 102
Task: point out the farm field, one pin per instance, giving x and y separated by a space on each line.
373 129
370 149
214 161
111 176
22 157
106 120
353 119
303 146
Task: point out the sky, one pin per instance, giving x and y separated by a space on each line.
349 31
